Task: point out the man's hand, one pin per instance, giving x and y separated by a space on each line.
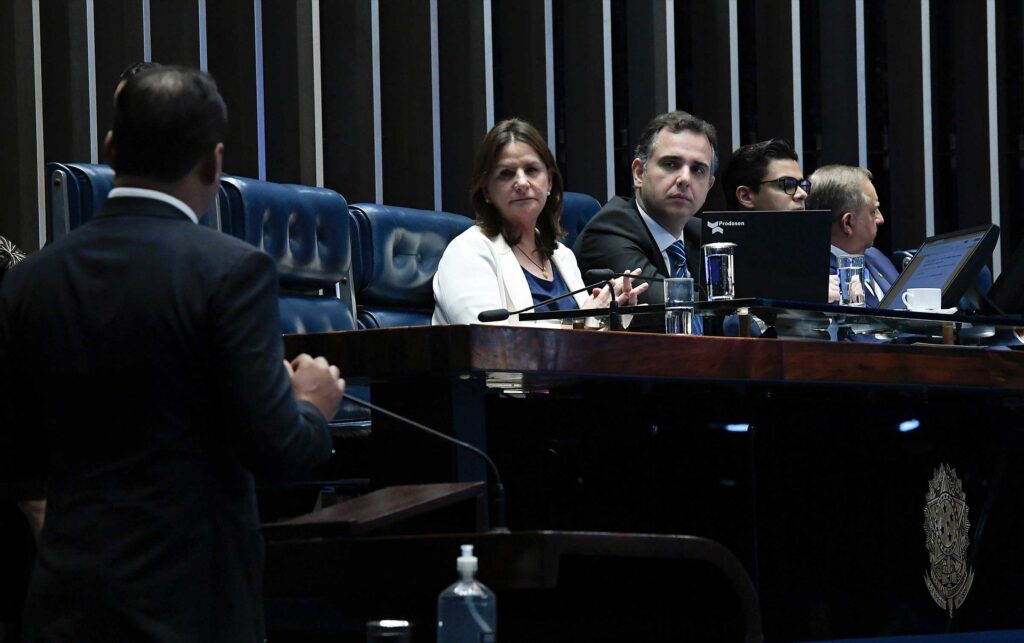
317 382
833 289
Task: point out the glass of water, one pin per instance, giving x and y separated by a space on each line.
851 280
679 306
718 270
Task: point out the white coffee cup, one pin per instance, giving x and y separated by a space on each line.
923 299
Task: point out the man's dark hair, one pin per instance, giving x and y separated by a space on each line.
135 69
749 165
166 119
676 122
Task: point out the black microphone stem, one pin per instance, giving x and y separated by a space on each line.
499 488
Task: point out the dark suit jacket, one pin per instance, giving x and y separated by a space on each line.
149 358
617 238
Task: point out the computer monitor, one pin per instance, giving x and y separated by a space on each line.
948 261
779 254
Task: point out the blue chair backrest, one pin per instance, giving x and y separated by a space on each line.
577 209
306 231
395 252
76 193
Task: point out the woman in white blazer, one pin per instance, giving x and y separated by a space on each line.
511 258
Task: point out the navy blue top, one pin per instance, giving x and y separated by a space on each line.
542 290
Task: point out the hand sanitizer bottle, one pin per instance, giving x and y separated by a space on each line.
467 612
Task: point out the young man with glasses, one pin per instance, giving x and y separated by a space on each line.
764 176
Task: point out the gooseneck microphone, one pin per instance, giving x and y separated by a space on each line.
499 488
501 314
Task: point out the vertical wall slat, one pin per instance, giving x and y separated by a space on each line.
464 114
407 113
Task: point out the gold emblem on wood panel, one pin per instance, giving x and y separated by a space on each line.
947 528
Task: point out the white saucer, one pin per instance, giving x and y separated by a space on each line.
938 311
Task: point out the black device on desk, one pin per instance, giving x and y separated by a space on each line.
1006 296
948 261
779 255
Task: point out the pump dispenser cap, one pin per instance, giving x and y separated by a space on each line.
466 563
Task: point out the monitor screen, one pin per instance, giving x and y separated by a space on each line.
945 261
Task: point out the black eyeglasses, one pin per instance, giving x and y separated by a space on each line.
789 185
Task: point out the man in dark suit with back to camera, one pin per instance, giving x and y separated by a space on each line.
144 379
673 170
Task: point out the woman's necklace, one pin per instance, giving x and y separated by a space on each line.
543 270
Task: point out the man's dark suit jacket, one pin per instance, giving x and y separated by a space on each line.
617 238
145 351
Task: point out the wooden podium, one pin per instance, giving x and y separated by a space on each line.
809 461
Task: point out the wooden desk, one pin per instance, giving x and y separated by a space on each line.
810 461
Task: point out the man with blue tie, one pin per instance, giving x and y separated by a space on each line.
673 170
848 193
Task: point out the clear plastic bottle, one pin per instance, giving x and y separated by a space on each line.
467 612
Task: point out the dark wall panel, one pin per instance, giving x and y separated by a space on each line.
65 62
282 86
905 224
119 43
830 90
174 25
19 165
232 62
463 97
347 78
703 85
774 42
582 114
520 78
407 112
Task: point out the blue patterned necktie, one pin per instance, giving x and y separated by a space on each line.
677 256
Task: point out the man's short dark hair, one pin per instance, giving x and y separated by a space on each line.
749 165
675 122
135 69
165 120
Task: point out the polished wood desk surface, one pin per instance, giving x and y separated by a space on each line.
445 351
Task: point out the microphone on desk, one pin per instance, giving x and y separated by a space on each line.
499 488
501 314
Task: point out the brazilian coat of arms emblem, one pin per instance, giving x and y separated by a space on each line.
947 528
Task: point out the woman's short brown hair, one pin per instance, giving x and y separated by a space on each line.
549 223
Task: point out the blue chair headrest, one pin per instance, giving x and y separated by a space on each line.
396 251
304 229
577 210
77 192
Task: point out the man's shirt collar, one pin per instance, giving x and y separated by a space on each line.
662 237
143 193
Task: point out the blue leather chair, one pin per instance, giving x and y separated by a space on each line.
395 252
76 193
577 209
306 231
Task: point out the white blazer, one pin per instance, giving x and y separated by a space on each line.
477 273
